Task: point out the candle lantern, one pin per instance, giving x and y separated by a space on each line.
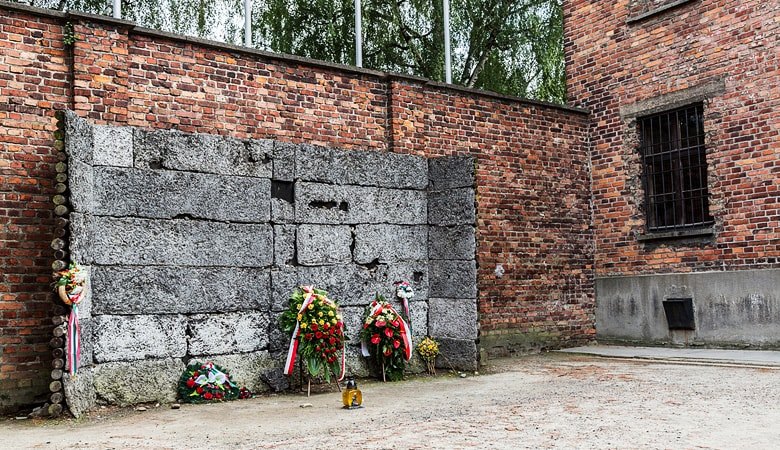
351 396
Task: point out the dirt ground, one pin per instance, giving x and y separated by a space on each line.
545 401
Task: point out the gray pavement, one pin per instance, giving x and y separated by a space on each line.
765 358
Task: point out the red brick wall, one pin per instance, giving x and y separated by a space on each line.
33 85
532 161
613 64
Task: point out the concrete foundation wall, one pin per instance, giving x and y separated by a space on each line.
733 308
194 243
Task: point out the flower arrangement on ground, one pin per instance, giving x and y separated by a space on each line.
71 285
207 383
428 349
386 338
317 333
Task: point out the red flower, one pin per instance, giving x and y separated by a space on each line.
195 374
340 324
365 325
326 326
199 390
317 348
308 336
380 323
318 335
389 332
332 340
388 351
207 395
219 395
375 339
190 383
397 323
396 343
314 327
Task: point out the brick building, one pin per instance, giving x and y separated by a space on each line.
685 163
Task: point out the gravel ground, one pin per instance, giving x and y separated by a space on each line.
545 401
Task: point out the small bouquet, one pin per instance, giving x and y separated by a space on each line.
386 337
206 383
428 349
70 284
317 333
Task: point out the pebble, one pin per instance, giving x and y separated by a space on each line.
306 405
141 408
21 417
463 375
175 406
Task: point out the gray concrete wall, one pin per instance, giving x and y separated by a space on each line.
734 308
194 243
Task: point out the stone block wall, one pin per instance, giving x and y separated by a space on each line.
194 245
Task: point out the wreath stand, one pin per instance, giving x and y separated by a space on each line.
308 379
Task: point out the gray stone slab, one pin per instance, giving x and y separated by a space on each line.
112 146
179 290
452 207
453 279
356 364
459 354
219 334
278 340
163 149
416 273
81 183
324 244
390 243
282 211
332 204
80 238
449 172
275 379
419 321
456 242
78 138
132 338
128 383
129 241
245 369
361 167
284 245
168 194
79 391
283 282
353 317
284 161
453 318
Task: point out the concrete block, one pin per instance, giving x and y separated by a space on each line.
419 320
283 282
132 338
453 279
324 244
78 138
164 149
331 204
80 238
457 242
284 161
278 340
79 391
451 207
353 317
390 243
112 146
449 172
218 334
284 245
182 290
361 167
282 211
416 273
116 241
245 369
168 194
81 182
128 383
452 318
459 354
356 364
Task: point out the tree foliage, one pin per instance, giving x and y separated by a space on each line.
508 46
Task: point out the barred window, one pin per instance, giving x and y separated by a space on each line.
675 169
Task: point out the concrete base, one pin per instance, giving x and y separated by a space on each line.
731 309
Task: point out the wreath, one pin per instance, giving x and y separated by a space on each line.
208 382
70 286
386 338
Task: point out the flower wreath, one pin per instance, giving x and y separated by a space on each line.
317 333
387 338
71 288
208 382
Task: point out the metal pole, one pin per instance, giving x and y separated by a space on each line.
117 9
248 23
447 61
358 34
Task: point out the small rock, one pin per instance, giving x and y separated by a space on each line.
306 405
511 428
175 406
21 417
462 375
141 408
156 405
476 373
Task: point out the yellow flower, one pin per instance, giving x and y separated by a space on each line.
311 306
303 325
319 314
333 321
322 322
299 317
330 313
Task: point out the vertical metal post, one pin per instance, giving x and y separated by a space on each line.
447 61
248 23
358 34
117 9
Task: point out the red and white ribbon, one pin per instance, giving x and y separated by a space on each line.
403 330
74 340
